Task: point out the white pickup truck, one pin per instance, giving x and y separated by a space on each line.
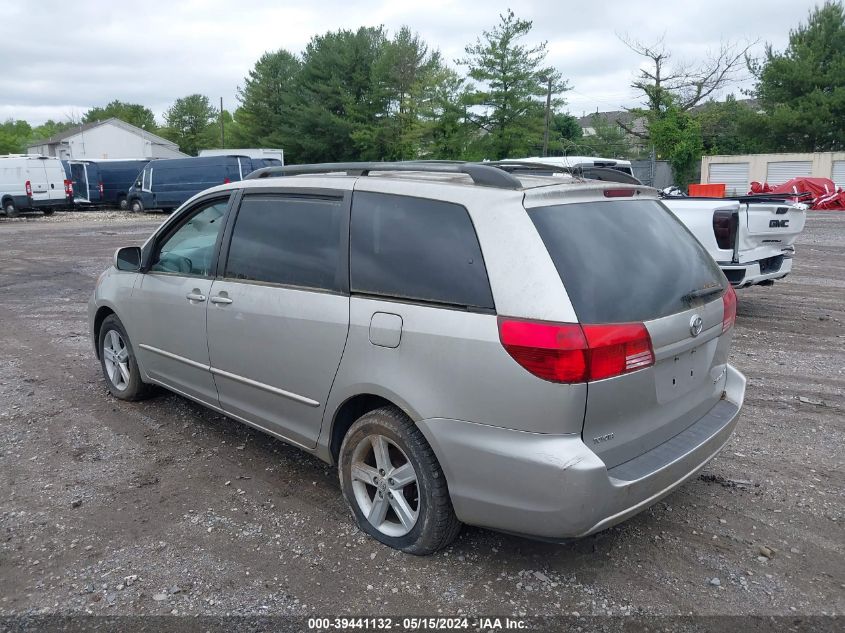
750 237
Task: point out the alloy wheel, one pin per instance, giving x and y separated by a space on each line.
116 359
385 485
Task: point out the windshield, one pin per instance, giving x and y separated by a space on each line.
626 260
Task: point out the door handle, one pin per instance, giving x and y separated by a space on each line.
221 299
195 296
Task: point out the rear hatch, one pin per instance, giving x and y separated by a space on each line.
627 261
770 228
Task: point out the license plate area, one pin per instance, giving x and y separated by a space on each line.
685 371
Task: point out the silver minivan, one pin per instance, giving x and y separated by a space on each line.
540 355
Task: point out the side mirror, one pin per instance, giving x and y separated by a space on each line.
137 184
128 259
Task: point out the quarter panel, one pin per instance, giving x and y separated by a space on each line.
451 364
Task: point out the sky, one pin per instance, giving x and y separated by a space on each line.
63 58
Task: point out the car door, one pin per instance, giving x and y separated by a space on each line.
169 301
36 176
279 311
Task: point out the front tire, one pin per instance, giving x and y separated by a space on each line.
394 485
136 206
120 368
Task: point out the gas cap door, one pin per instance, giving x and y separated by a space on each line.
385 329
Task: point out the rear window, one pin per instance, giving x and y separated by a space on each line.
626 260
416 249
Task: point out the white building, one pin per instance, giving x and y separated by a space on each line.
111 138
738 172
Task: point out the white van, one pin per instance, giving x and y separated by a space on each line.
32 183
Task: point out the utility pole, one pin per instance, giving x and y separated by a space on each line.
548 115
222 130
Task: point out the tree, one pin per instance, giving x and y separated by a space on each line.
732 127
684 84
50 128
267 99
509 108
676 136
338 115
132 113
802 89
406 77
14 136
188 120
607 140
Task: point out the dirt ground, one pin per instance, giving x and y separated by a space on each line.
164 507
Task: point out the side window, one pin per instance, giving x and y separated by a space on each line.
416 249
190 249
288 240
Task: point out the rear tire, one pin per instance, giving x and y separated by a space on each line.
117 358
136 206
394 485
10 209
48 211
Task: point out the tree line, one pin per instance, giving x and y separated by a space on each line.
367 94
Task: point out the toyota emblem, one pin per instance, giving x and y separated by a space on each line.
696 324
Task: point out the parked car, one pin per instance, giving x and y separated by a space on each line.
116 178
541 356
165 184
31 182
85 186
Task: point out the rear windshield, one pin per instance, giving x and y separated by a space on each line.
623 261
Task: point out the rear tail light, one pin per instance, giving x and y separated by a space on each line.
725 224
100 187
569 352
226 181
68 187
28 187
729 309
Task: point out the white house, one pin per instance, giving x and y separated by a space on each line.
111 138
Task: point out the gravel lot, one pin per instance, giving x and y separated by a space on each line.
163 507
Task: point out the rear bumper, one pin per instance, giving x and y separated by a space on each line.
752 273
554 487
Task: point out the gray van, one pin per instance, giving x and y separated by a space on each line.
545 356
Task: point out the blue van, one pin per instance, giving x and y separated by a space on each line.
166 183
116 178
84 178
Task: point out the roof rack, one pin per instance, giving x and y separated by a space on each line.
481 174
606 174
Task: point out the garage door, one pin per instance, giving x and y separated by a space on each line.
734 175
838 175
779 172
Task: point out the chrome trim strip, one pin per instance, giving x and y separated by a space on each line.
265 387
247 381
181 359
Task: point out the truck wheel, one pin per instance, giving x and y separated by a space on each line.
120 369
394 485
48 211
136 206
10 209
122 203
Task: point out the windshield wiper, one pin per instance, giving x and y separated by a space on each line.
701 293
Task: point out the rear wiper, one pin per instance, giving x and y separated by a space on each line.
701 293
